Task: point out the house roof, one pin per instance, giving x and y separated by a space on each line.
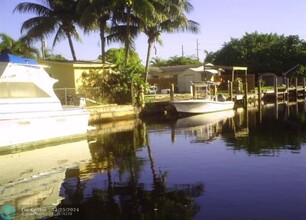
169 69
78 64
181 68
76 61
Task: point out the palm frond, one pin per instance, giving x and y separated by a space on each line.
35 8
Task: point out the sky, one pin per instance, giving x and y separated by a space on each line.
220 20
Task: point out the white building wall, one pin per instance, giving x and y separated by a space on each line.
184 79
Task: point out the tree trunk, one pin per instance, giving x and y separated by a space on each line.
127 41
71 47
150 43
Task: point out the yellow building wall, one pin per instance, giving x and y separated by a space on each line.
79 69
69 73
61 71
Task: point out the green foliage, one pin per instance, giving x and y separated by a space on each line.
118 84
116 21
52 17
175 60
210 56
54 57
263 53
16 47
92 82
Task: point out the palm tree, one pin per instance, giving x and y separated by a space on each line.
52 16
95 15
126 22
170 17
124 27
19 47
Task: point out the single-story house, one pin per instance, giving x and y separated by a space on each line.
181 76
69 75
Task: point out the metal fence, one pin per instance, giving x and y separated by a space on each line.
70 96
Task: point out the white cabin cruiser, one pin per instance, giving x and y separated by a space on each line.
30 112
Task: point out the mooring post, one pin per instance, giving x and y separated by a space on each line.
172 92
259 100
193 91
296 88
275 89
230 89
259 92
276 110
287 88
245 94
304 86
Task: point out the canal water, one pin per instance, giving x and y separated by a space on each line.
241 164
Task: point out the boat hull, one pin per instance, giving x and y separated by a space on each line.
201 106
27 129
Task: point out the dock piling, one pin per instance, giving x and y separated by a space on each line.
172 92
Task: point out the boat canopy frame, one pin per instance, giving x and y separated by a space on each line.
234 69
222 68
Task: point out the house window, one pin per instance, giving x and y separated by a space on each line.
155 77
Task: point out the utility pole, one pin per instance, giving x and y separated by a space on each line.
182 50
197 49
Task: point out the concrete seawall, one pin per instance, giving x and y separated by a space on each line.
102 113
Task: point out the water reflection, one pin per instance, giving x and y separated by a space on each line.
262 131
138 170
204 127
109 186
270 129
33 178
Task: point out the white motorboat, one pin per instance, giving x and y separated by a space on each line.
30 112
198 106
203 101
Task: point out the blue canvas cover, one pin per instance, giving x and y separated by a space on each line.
5 57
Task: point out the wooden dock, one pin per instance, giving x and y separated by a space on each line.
286 93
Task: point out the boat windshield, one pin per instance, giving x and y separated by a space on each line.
21 90
202 90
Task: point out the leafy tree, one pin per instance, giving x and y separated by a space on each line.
263 53
129 74
55 57
175 60
52 16
19 47
117 85
158 61
210 56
